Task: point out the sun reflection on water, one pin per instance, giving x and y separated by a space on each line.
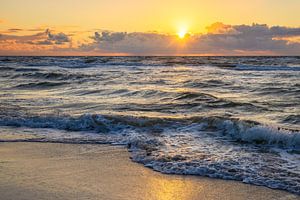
170 189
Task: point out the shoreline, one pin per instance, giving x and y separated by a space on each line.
33 170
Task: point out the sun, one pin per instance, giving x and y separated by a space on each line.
181 33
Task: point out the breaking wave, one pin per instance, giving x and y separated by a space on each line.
213 146
240 131
224 117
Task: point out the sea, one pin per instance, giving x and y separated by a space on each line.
235 118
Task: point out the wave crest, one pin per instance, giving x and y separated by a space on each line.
241 131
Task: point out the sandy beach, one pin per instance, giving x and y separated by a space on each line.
73 171
150 100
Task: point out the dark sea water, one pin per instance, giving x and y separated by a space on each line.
224 117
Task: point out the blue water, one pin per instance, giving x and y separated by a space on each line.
224 117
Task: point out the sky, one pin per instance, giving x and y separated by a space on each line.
144 27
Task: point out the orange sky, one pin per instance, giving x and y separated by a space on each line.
72 25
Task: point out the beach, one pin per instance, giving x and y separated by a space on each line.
216 117
88 171
150 100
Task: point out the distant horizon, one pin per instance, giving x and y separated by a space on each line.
1 56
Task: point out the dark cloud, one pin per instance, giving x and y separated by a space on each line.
135 43
219 39
13 30
22 38
51 39
257 37
284 31
59 38
40 38
43 42
264 30
107 36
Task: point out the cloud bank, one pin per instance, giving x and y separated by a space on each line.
219 39
40 43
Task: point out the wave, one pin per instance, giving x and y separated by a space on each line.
53 75
237 63
40 85
194 95
260 134
241 131
294 119
216 147
7 68
265 68
27 69
193 130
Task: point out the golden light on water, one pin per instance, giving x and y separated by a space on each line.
169 189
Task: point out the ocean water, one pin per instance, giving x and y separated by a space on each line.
224 117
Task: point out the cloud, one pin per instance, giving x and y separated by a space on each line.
220 28
13 30
131 43
41 43
20 31
219 39
35 29
257 37
59 38
106 36
40 38
22 38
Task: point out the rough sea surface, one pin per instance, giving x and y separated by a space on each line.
224 117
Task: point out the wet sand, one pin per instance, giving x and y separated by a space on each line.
83 171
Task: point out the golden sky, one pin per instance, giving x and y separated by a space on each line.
79 19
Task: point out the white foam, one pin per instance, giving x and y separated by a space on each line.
262 134
212 147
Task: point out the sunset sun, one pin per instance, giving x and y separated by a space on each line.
181 33
149 99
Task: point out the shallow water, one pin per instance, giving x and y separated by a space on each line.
225 117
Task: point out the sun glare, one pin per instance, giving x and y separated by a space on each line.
182 32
